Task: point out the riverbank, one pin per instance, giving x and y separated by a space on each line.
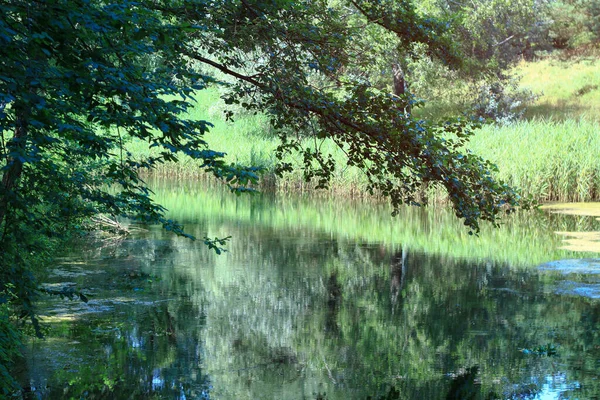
547 160
551 156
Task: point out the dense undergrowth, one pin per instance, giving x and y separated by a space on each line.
550 154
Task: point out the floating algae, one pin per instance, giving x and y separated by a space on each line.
578 241
581 241
591 209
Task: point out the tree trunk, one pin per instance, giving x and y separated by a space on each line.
15 166
400 85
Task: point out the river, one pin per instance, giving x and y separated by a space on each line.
318 298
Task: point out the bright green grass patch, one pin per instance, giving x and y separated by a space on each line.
550 160
567 89
245 140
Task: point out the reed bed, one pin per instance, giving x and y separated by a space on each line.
547 159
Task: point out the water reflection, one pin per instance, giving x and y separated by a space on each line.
296 312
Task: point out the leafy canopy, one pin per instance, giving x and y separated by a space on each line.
80 78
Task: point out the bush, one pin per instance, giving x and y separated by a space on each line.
10 343
502 102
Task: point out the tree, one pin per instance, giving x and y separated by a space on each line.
75 84
80 78
466 47
575 23
392 34
493 34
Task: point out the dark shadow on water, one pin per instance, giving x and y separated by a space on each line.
334 298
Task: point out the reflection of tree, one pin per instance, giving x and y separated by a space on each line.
463 386
398 275
147 345
289 313
453 315
332 305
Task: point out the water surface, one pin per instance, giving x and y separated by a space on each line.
318 298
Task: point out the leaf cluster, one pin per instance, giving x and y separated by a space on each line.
81 78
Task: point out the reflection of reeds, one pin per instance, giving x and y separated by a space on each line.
525 239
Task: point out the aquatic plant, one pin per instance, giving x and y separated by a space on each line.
548 350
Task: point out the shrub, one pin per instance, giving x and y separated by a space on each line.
502 102
10 343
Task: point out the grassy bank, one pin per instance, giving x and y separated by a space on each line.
566 89
552 155
550 160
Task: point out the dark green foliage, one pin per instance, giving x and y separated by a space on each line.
10 342
81 78
76 83
575 23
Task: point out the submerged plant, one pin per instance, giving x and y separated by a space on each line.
548 350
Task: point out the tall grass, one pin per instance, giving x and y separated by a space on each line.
549 160
567 89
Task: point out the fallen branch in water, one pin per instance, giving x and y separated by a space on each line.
112 225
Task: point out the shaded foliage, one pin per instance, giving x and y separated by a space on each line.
80 78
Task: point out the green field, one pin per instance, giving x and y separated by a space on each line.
551 154
551 160
567 89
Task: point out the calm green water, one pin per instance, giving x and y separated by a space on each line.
320 299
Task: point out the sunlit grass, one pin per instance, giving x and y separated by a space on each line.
549 160
567 89
245 140
552 158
